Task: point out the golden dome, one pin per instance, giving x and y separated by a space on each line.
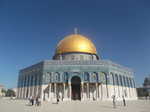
75 43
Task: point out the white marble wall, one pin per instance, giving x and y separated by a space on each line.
89 92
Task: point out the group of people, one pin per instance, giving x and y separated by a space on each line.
35 101
114 101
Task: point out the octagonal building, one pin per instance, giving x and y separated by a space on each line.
76 72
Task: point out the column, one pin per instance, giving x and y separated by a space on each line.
30 90
20 92
50 86
25 91
28 86
22 89
23 96
37 90
70 94
64 91
101 91
96 91
55 95
89 91
87 84
82 84
61 57
32 86
17 92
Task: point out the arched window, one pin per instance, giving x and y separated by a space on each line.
100 76
103 77
57 76
107 78
50 77
112 79
63 57
72 57
86 76
32 80
116 78
47 77
39 80
81 57
124 81
28 81
127 81
133 83
95 76
21 81
130 82
90 57
24 81
120 77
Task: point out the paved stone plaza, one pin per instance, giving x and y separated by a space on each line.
7 105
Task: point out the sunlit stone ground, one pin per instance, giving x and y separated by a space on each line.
7 105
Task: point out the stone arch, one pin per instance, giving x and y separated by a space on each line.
76 88
72 74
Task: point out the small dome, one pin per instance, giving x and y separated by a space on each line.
75 43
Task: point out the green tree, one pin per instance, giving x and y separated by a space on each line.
146 81
4 91
10 93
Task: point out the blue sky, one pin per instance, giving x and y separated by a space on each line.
31 29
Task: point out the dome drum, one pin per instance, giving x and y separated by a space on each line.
76 56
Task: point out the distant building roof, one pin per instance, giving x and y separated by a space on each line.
1 86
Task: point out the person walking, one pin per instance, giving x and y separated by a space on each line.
32 101
114 101
40 101
37 101
124 101
57 99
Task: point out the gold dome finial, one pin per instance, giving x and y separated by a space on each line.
75 30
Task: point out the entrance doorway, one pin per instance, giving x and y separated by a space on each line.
76 88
